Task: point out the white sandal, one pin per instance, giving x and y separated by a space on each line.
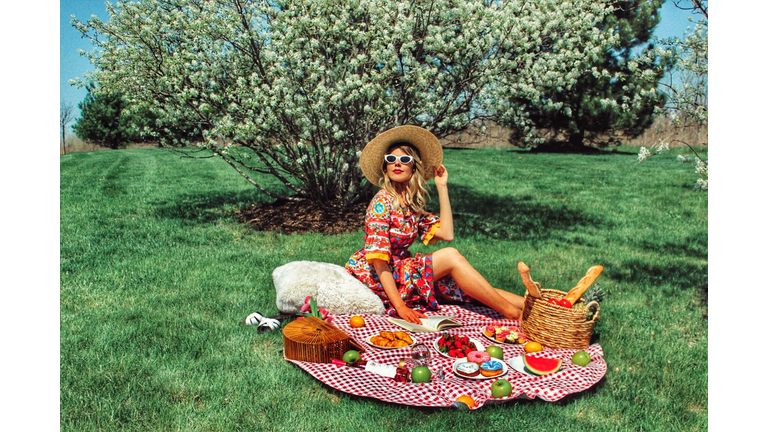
263 323
254 318
268 324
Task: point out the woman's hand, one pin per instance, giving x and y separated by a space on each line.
410 315
441 176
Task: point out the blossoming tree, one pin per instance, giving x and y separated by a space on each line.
295 89
688 88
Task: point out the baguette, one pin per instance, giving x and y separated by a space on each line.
533 288
576 292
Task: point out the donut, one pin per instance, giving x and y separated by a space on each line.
468 369
491 368
478 356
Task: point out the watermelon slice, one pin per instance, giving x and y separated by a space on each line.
541 366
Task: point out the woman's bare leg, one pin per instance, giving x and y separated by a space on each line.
515 299
449 261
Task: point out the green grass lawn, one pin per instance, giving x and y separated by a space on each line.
156 275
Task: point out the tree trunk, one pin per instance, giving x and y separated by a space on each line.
576 140
64 138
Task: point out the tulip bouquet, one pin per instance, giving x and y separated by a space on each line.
310 309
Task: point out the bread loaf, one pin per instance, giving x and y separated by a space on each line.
576 292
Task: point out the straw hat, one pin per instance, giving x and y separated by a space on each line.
430 150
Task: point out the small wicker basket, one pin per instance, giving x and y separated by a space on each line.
555 326
313 340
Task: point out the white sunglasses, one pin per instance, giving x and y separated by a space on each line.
404 159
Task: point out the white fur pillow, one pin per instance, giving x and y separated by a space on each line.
330 285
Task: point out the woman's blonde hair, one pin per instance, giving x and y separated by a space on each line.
416 191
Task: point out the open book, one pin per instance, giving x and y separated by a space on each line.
431 324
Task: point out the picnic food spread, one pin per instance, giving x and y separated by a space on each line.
541 365
468 369
559 319
451 345
478 356
505 334
491 368
388 339
463 371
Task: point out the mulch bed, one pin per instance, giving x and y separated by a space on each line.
303 216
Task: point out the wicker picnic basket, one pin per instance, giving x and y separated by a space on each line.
313 340
555 326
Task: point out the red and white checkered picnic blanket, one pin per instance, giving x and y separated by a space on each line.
443 392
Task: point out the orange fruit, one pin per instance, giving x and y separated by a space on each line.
467 400
532 347
357 321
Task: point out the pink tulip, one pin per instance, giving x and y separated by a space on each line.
306 308
306 300
323 313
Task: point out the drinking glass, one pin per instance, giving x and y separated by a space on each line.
420 354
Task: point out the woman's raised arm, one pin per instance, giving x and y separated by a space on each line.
445 231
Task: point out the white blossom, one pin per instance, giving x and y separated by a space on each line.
328 76
643 155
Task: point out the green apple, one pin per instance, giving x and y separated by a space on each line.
581 358
501 388
495 352
421 374
351 356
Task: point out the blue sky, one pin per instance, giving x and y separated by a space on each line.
673 23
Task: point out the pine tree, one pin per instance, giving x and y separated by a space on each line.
101 120
623 98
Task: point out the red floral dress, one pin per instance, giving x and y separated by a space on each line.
389 231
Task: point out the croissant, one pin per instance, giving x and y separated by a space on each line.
388 334
403 336
397 343
379 341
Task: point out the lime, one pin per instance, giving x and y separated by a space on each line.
581 358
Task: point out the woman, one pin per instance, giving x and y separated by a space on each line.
400 161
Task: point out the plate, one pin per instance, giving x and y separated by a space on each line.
478 345
503 343
517 364
504 370
368 340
